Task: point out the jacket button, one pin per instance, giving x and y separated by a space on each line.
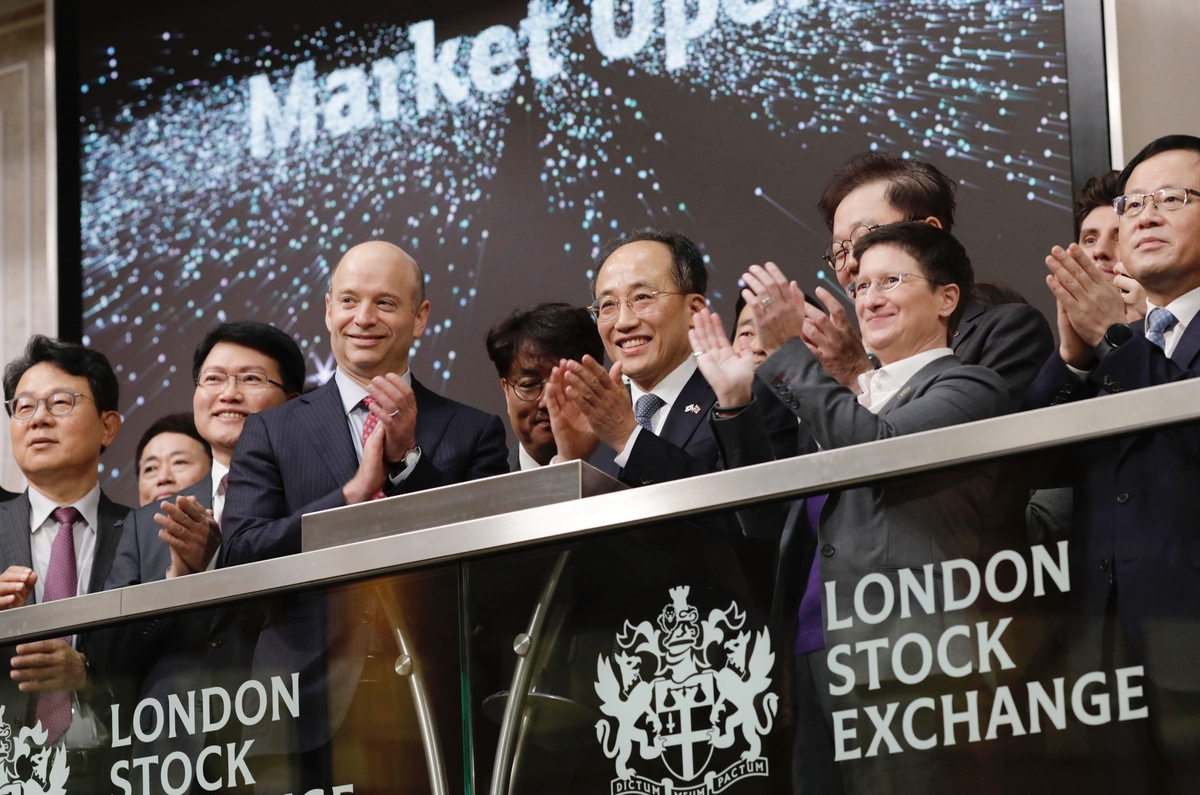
827 550
1104 564
365 618
646 480
215 643
1123 497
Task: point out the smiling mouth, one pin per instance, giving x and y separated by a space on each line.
230 415
634 342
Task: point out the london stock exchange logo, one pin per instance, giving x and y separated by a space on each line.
25 767
692 705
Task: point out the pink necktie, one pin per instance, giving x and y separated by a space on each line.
62 582
368 426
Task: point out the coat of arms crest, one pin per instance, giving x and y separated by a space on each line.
671 697
47 766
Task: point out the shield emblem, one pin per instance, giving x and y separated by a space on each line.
683 709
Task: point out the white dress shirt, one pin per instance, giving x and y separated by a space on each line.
880 386
352 394
43 529
526 460
668 390
1184 308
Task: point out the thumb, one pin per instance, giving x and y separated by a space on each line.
615 373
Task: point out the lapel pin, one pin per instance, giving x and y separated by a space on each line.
692 408
904 392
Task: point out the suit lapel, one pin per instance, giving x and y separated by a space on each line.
14 532
433 416
324 422
111 520
966 325
201 490
689 410
1186 351
915 385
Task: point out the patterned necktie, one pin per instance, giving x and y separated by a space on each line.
647 406
1159 322
369 425
62 582
222 489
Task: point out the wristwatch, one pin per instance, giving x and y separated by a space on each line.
410 459
1117 335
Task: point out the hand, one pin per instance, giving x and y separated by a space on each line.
602 399
834 341
1071 347
16 584
731 375
1090 300
191 532
1131 292
372 470
396 408
573 436
783 317
48 665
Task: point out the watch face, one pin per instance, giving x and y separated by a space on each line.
1118 334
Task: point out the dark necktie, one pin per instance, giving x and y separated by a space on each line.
223 489
62 582
369 425
1160 321
647 406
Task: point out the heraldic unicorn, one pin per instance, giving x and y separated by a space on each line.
692 704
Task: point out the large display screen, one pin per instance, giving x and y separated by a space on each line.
230 152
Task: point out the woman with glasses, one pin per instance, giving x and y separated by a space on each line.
909 294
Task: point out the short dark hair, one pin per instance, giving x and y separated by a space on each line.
942 258
72 359
737 312
1099 191
1168 143
687 263
261 337
183 423
916 188
990 294
551 331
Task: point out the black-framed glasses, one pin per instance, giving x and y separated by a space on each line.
1166 199
215 380
527 389
609 307
838 251
885 284
60 404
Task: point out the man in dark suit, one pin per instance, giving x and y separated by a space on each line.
648 286
1135 592
525 347
371 431
57 540
873 189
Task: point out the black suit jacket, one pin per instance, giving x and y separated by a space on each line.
1013 340
15 550
1135 537
293 460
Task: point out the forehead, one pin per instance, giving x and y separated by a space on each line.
1176 168
865 205
169 442
374 271
746 315
644 263
532 362
229 357
1100 218
884 259
45 378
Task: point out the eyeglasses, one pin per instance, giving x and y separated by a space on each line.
527 389
215 381
885 284
60 404
1166 199
609 307
837 253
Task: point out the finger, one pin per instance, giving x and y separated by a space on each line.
181 517
16 574
1063 276
1084 264
776 275
192 507
614 373
37 647
594 368
756 284
581 392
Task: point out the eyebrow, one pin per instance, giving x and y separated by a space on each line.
633 286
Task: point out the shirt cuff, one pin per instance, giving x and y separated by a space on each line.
1080 374
403 474
623 458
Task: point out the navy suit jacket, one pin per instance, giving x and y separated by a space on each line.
293 460
15 550
1136 537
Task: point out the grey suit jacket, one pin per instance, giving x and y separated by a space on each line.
878 528
142 556
15 550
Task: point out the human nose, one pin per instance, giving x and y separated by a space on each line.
231 382
41 414
626 317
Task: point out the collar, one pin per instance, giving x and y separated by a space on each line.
218 471
1184 308
670 387
897 374
353 392
41 506
527 461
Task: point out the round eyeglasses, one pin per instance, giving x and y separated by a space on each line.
60 404
527 389
885 284
838 251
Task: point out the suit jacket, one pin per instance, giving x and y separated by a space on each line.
884 528
1135 536
1013 340
293 460
141 554
15 550
686 446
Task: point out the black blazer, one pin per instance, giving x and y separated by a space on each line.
1135 538
15 550
1013 340
293 460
